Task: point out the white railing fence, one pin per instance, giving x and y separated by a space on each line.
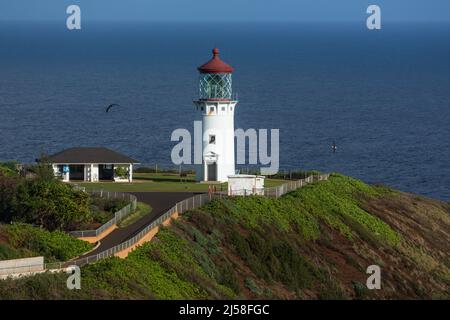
118 216
278 191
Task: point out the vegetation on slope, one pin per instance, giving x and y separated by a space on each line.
22 240
49 203
142 209
315 242
8 169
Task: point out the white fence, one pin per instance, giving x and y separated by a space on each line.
118 216
181 207
25 265
278 191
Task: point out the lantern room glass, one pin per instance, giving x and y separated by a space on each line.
215 86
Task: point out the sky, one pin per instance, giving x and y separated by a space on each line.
226 10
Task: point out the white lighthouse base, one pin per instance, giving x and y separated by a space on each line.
217 140
212 170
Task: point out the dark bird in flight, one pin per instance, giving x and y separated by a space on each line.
112 105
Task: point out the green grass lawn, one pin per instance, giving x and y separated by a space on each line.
164 182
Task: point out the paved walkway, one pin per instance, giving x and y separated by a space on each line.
160 203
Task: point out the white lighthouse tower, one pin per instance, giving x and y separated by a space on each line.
216 106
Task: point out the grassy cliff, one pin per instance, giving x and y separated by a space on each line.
21 240
313 243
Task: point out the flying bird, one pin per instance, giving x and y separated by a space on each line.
112 105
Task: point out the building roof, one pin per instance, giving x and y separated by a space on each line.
83 155
215 65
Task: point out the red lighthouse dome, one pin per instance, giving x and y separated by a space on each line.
215 65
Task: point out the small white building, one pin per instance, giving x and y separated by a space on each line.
93 165
245 184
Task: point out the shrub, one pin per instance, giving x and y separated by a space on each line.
121 172
8 189
103 209
43 169
50 204
8 169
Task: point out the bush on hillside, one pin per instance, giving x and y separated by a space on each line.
8 169
50 204
43 169
103 209
25 240
8 189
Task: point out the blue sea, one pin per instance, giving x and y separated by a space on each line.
382 96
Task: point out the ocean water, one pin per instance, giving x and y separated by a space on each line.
383 96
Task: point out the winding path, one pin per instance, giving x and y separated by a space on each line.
160 203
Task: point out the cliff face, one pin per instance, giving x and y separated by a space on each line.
314 243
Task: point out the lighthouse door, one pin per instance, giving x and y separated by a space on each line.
212 171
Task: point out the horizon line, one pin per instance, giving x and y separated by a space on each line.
227 21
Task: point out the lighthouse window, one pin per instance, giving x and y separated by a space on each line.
211 109
212 139
201 108
223 108
231 108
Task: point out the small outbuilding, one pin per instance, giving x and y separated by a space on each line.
92 164
245 185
